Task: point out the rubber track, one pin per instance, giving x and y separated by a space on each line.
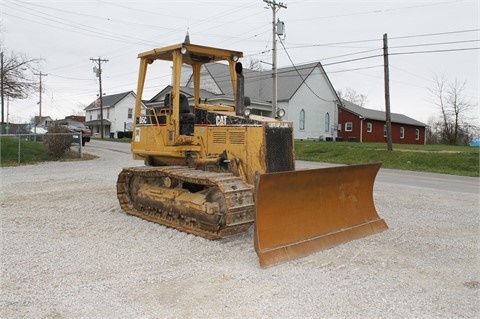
238 197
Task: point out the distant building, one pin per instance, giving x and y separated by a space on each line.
304 92
359 124
117 114
44 121
78 118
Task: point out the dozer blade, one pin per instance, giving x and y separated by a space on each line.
301 212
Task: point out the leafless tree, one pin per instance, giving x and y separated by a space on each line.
254 64
16 76
453 127
352 96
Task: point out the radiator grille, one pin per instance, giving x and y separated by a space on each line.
279 144
237 138
219 137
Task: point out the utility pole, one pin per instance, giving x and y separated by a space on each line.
387 92
40 99
275 7
98 71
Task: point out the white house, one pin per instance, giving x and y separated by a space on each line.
309 100
304 92
118 114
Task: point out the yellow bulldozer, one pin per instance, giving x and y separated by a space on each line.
214 170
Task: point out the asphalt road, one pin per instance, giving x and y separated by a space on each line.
436 182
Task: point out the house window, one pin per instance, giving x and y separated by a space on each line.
91 115
417 134
327 122
402 132
339 128
108 113
348 126
384 131
98 115
130 113
302 120
369 127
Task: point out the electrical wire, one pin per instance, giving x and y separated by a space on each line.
435 51
376 11
431 44
433 34
338 43
303 80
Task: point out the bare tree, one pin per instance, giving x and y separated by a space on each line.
254 64
352 96
16 77
450 98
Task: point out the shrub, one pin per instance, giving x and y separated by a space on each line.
58 140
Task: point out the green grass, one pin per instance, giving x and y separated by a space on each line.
454 160
31 152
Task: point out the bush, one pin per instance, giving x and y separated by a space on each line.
58 140
128 134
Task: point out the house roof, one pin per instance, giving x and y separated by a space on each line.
258 84
379 115
188 91
108 100
98 122
43 118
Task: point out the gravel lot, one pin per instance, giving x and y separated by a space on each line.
68 251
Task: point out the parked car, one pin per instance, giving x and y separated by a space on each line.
38 130
77 127
37 133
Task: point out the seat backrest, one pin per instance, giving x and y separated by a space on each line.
184 106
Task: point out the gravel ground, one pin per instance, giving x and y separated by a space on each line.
68 251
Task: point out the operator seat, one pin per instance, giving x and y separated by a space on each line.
187 118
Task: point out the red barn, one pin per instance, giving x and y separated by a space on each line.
359 124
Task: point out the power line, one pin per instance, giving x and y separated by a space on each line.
303 46
433 34
78 28
352 60
356 69
435 51
377 11
431 44
303 80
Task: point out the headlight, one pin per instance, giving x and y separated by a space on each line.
247 112
280 113
183 50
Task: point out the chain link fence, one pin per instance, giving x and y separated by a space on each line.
18 149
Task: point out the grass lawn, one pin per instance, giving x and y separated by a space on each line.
31 152
446 159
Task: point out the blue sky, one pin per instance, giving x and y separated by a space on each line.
426 39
